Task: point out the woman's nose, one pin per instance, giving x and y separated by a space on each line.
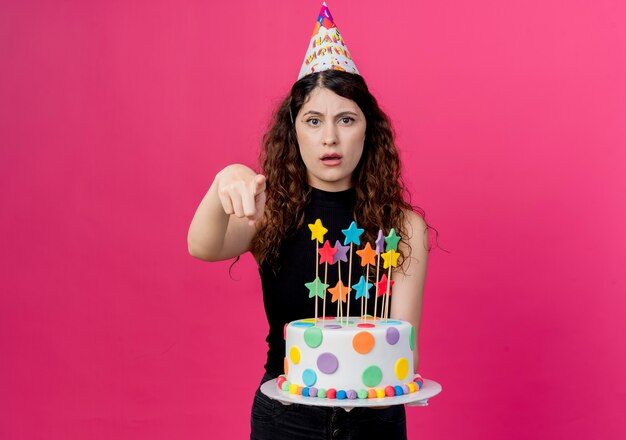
330 135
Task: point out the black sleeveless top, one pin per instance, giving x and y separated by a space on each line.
285 296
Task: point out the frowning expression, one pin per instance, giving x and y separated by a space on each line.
331 133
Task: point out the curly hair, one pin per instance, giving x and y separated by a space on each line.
380 191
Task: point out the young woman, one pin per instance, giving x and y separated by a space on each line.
330 154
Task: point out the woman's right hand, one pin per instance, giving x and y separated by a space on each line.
241 192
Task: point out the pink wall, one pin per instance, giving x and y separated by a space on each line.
114 117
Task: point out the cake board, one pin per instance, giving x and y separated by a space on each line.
419 398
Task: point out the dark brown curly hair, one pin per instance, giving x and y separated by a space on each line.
380 192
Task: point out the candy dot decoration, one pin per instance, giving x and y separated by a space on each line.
390 391
412 339
286 365
372 376
371 393
321 393
341 395
361 394
305 392
351 394
280 380
402 368
303 324
313 392
294 354
313 337
412 387
331 393
363 342
405 389
392 335
398 390
309 377
327 363
380 393
285 386
293 388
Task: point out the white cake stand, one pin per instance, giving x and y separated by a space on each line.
419 398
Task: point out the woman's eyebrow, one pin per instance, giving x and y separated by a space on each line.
316 113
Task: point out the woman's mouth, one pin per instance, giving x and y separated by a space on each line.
331 159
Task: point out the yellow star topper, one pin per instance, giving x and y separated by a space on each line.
390 258
317 231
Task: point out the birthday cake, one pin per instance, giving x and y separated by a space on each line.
351 357
355 358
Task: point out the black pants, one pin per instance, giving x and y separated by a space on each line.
271 420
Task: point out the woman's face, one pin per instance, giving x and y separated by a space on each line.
331 133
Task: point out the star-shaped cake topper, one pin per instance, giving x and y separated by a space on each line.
392 240
352 234
362 288
339 292
342 252
316 288
368 255
390 258
317 231
327 253
380 242
382 285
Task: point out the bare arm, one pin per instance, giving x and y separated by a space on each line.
408 289
227 218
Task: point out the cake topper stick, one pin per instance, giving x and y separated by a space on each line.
327 254
380 247
340 256
390 260
367 272
317 233
362 290
388 291
340 305
384 287
367 255
352 235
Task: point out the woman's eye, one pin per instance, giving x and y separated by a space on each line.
314 122
347 120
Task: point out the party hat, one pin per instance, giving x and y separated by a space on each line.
327 49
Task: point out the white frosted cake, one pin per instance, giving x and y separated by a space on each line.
359 358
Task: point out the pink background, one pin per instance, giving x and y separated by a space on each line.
115 116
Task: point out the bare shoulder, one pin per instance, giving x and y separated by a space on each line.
416 227
417 238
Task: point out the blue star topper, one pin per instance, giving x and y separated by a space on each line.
362 288
352 234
